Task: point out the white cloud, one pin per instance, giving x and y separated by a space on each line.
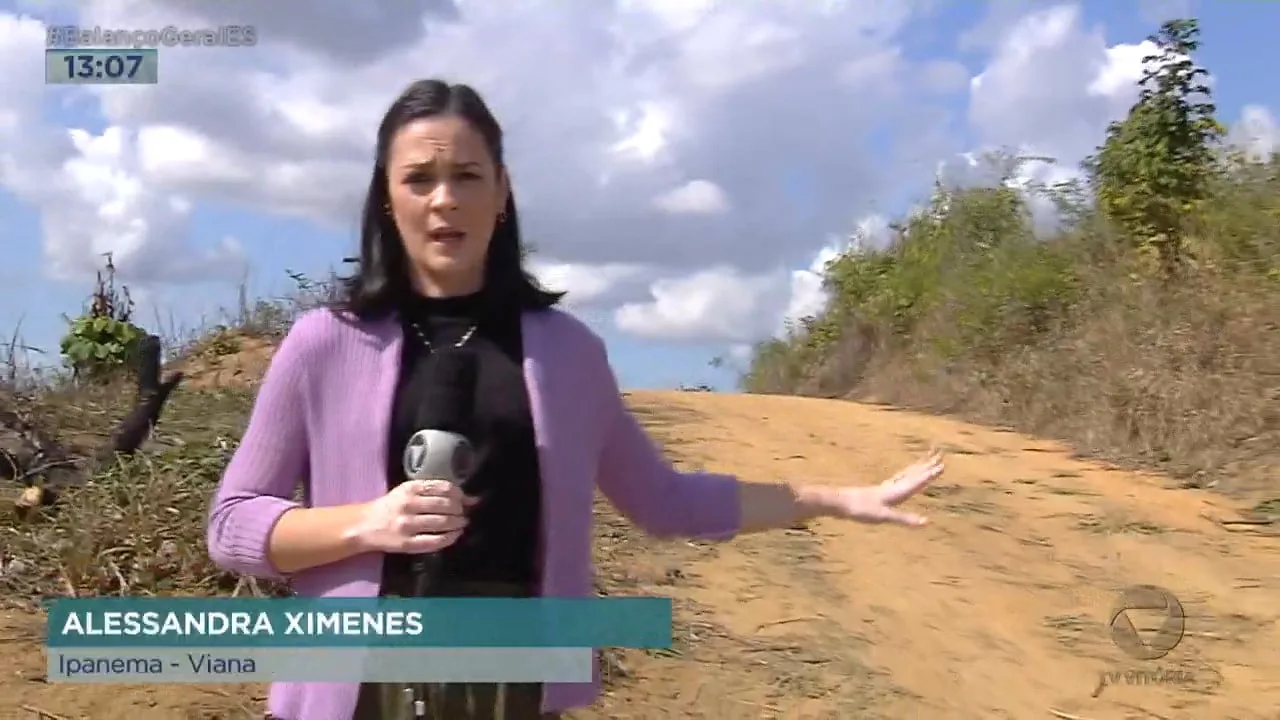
808 297
720 304
177 155
694 197
866 70
646 132
1257 132
943 76
1121 72
93 196
606 109
1048 90
587 285
653 143
99 204
1052 86
649 139
740 355
23 40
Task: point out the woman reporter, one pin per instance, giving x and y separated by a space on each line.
440 270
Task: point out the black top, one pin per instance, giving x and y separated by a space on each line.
500 542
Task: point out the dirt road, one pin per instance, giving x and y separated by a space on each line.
999 609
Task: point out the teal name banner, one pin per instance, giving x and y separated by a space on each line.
360 622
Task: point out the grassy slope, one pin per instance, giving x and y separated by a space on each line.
1069 336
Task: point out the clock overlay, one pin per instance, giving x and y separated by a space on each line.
80 66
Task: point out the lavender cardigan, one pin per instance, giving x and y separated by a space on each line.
321 420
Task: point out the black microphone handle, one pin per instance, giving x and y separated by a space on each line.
426 569
449 401
449 406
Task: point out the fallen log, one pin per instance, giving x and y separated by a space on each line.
45 467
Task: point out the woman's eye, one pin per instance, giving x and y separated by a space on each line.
429 179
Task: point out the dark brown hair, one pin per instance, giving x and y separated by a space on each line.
381 280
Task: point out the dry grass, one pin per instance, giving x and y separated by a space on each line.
137 528
1186 380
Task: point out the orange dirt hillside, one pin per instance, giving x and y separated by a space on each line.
226 359
997 610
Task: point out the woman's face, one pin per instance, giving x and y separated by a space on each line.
445 192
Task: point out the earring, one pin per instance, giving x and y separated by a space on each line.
502 216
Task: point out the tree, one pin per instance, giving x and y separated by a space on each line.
1156 165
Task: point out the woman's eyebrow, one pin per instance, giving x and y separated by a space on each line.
431 162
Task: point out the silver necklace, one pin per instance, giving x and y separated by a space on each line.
423 336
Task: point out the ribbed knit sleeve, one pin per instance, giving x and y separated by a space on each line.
640 482
272 459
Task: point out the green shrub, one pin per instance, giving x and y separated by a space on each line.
104 339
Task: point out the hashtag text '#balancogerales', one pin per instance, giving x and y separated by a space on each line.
77 36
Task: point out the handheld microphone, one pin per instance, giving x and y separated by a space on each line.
441 450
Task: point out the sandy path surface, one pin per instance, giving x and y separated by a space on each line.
1000 609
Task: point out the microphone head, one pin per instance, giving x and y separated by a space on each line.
440 449
439 455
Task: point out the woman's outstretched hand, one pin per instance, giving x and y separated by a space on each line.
879 503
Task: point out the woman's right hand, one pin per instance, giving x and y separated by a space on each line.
418 516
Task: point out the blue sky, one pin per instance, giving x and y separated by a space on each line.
698 283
